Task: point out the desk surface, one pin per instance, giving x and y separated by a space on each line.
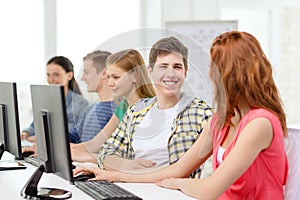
12 182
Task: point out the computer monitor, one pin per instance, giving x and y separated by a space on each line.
9 120
52 140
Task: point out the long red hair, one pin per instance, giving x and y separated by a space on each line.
240 71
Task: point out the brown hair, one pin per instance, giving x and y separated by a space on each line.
166 46
131 61
98 58
240 71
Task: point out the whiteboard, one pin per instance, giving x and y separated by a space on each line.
197 36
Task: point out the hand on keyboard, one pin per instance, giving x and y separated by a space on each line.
98 173
26 154
83 177
31 149
99 189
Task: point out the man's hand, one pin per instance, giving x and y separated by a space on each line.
140 163
30 149
99 173
116 163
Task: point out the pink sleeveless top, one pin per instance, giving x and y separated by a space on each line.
267 175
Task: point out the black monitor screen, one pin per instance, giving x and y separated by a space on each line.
9 120
51 128
52 141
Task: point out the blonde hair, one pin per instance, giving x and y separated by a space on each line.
131 61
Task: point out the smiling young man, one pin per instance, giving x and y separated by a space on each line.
157 131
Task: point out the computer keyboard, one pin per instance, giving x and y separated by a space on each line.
32 160
103 190
35 161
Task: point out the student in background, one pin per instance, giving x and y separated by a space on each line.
245 135
129 81
98 114
157 131
60 70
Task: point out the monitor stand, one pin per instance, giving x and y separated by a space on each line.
30 190
1 149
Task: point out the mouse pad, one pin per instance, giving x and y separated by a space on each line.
11 165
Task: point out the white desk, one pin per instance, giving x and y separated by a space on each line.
12 182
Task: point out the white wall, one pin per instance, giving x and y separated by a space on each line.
22 36
275 23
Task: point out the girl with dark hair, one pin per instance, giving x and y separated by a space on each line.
60 70
68 67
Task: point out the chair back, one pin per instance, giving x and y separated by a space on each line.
292 147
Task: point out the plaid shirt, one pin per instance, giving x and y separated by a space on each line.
186 127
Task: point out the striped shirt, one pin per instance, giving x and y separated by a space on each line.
93 122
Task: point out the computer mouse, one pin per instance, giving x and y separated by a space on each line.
27 153
83 177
